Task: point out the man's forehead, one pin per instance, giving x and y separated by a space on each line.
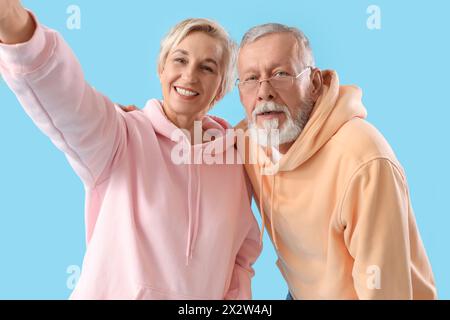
270 63
267 52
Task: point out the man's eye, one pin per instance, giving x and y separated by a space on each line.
251 78
281 74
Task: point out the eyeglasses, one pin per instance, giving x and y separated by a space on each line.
277 82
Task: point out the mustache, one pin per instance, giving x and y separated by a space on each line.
268 107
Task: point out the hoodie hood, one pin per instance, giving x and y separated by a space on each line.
335 107
224 140
163 126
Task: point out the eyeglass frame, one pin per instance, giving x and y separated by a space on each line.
259 82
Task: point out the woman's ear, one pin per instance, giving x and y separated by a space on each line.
161 67
160 71
217 98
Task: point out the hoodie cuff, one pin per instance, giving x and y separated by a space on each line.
27 56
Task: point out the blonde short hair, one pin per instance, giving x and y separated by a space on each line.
213 29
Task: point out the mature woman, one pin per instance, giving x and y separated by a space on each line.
155 228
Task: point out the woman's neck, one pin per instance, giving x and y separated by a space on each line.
186 122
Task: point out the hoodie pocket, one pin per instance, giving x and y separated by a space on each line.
146 292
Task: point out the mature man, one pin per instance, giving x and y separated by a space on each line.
331 192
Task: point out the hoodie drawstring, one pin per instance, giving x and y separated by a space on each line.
261 206
272 222
197 210
188 246
193 214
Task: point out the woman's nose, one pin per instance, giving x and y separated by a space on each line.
189 75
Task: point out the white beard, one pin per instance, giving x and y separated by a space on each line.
271 135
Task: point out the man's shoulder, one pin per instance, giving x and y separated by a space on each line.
242 125
361 141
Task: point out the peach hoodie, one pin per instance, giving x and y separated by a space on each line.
154 229
338 209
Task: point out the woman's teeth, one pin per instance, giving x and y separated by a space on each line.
187 93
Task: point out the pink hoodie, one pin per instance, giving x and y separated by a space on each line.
154 229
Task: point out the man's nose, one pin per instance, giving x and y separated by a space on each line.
266 92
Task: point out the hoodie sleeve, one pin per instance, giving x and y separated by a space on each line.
240 286
49 83
382 237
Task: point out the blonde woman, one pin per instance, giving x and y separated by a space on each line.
155 229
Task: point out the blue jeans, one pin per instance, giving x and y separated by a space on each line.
289 296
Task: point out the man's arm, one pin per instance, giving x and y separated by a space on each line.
381 235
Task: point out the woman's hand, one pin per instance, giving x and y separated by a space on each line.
5 7
16 24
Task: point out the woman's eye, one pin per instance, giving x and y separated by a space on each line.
209 69
180 60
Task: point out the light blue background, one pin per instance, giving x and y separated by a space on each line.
403 70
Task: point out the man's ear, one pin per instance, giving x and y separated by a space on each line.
316 83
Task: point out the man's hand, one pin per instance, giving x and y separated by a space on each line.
16 24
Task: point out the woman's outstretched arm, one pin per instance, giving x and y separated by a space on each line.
16 25
47 79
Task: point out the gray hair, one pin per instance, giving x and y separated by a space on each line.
305 51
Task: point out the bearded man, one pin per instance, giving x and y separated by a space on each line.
331 192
